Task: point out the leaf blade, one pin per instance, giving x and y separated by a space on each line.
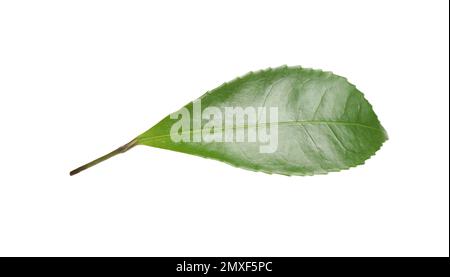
310 102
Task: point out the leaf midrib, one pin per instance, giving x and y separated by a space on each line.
293 122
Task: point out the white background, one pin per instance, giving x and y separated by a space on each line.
80 78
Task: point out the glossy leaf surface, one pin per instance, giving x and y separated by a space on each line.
325 123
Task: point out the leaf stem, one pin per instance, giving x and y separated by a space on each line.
122 149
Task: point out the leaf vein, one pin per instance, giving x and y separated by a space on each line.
282 123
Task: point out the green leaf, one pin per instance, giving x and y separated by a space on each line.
323 124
